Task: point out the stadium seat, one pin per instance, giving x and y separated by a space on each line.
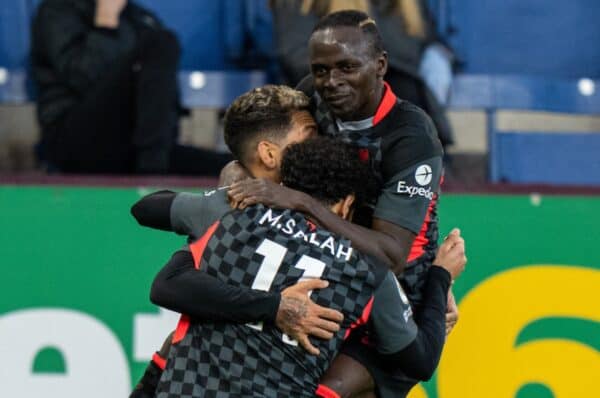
216 89
14 33
567 158
199 25
534 37
215 35
14 50
14 86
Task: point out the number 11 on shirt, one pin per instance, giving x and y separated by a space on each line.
273 255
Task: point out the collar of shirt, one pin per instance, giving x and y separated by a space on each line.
354 125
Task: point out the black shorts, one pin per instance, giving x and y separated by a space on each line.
388 383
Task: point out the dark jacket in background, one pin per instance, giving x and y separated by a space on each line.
68 53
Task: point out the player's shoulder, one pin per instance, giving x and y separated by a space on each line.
215 199
408 120
410 137
217 194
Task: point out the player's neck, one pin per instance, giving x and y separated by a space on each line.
267 174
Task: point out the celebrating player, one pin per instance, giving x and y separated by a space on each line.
351 102
259 148
266 249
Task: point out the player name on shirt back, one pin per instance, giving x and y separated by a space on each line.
287 225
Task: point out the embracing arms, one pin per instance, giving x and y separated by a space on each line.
414 344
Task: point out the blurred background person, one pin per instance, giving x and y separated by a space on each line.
106 73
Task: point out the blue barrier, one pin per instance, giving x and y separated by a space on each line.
547 158
524 157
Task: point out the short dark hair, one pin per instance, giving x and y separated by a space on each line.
262 113
326 169
354 19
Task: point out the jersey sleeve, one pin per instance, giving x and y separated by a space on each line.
191 214
406 196
180 287
391 317
420 357
153 210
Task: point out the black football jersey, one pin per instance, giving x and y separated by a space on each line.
269 250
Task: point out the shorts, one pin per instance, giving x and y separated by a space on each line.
389 383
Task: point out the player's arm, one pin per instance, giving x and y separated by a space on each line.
170 211
381 245
184 213
154 210
414 344
181 288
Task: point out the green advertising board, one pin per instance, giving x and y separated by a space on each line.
75 318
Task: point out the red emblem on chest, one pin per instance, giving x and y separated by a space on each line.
363 155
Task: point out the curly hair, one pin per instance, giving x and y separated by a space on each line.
262 113
354 19
327 169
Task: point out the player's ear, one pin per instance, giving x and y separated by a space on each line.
382 65
347 207
268 154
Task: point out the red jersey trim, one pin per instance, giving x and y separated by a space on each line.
363 318
197 248
386 105
182 328
418 247
159 361
326 392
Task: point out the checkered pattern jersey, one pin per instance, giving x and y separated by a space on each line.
227 360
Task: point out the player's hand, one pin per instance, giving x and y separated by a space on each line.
451 254
232 173
299 317
258 190
451 313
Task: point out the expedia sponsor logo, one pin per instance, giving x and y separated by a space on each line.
414 191
423 174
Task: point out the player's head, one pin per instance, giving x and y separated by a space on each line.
348 63
261 123
328 170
